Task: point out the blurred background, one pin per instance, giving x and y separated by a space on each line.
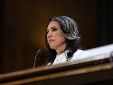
23 25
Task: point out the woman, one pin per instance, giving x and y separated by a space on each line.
62 39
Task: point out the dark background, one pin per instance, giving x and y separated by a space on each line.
23 24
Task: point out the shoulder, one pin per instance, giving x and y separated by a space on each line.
78 54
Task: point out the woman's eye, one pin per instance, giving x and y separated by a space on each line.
54 29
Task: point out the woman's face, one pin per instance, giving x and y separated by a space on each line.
55 36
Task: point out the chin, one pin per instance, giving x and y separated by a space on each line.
52 47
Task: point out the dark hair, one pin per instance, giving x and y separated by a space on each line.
70 30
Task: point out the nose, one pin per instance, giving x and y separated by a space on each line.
49 34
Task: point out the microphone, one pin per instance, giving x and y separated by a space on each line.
38 51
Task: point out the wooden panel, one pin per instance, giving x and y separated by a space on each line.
69 73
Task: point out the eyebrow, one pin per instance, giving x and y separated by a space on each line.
51 27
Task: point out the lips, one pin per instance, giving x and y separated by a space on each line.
50 40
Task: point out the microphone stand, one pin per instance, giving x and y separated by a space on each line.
34 64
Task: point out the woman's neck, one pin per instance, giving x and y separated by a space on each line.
61 49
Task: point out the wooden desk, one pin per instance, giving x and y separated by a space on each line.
70 73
